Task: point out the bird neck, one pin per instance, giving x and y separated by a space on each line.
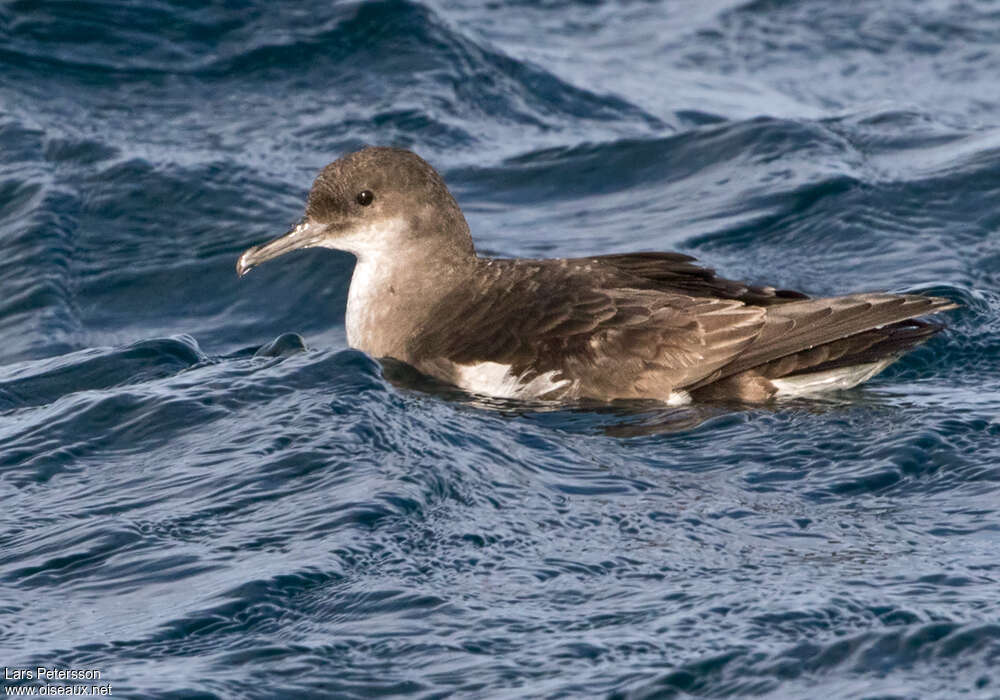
392 291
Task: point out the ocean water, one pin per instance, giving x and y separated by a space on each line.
196 511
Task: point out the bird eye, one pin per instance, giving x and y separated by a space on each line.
365 197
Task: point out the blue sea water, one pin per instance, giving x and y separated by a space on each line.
198 514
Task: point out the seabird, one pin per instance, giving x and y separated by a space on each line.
628 326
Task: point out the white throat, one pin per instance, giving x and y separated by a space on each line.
376 248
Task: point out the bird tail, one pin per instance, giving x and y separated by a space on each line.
822 344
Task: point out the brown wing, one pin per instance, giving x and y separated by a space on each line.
679 273
818 333
648 324
867 347
589 324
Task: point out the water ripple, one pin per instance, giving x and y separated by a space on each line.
206 495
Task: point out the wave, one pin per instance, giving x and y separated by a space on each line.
851 667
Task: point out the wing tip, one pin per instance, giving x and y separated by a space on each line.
944 304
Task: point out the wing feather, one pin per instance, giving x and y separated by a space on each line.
645 325
591 328
679 273
815 324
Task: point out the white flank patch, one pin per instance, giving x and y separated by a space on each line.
495 379
679 398
830 380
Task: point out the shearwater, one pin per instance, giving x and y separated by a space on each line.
637 325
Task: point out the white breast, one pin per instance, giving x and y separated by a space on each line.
359 301
374 247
